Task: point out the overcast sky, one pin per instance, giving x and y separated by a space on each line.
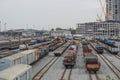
47 14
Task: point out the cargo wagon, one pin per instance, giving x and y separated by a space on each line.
17 72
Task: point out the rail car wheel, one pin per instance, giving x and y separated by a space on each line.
66 66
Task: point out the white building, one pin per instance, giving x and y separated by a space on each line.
113 10
60 33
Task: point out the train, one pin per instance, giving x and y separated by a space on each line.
23 46
13 44
70 57
90 59
99 48
24 57
56 43
92 63
58 52
17 72
111 46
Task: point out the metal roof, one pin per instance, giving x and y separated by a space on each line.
14 71
19 55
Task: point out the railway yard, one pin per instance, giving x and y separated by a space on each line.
58 72
57 63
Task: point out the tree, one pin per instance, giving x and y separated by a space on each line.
52 29
58 28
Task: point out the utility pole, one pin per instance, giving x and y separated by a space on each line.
26 26
0 26
5 28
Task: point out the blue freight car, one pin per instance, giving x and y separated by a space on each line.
4 64
99 48
43 50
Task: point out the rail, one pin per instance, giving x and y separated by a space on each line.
66 75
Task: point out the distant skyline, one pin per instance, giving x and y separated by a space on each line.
47 14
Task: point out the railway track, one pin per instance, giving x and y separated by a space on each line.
45 68
117 56
93 76
114 69
66 75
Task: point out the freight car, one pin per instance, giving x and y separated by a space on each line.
6 53
12 44
110 46
33 41
52 48
99 48
4 64
23 47
72 50
17 72
92 63
43 51
86 50
26 57
69 60
84 42
60 50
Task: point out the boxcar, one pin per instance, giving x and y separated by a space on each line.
4 64
25 57
17 72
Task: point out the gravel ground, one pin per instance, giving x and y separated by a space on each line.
37 66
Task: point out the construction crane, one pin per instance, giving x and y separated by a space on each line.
99 18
